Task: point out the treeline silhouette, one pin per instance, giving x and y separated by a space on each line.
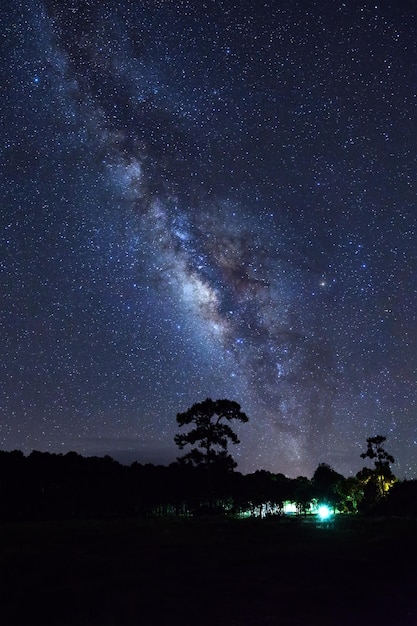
46 486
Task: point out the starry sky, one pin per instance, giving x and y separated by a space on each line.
209 199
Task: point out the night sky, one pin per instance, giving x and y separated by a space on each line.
210 199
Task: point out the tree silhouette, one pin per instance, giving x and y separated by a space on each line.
381 476
210 435
325 481
350 492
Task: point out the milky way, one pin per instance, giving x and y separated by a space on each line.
210 199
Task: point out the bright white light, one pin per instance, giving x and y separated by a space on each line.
324 512
290 507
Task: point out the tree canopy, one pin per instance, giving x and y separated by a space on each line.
379 480
211 433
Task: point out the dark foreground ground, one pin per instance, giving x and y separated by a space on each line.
209 572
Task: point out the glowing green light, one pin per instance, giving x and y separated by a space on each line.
324 512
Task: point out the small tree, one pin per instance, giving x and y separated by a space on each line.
381 475
210 435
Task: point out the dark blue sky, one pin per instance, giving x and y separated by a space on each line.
210 199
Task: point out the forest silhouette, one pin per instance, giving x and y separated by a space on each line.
87 540
47 486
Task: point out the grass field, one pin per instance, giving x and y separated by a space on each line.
209 572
